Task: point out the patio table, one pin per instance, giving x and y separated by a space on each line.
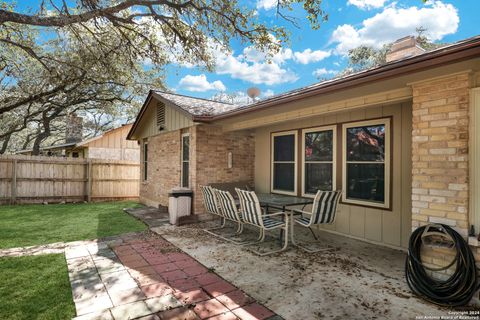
280 201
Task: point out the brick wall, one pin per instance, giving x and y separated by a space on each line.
163 168
440 152
210 147
440 163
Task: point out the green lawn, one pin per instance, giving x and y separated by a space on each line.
35 287
27 225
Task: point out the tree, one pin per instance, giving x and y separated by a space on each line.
95 57
366 57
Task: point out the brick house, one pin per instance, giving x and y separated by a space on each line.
401 140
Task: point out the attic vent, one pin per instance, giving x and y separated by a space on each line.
160 116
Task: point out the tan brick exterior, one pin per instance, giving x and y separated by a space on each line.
163 168
209 161
209 148
440 152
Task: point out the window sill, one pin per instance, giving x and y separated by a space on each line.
370 205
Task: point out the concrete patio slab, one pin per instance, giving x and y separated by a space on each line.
356 281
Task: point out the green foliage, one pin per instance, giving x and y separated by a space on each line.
27 225
35 287
99 57
366 57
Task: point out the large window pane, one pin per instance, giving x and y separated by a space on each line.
366 182
186 148
284 148
284 176
318 176
319 146
366 143
185 166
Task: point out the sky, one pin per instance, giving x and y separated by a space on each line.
313 54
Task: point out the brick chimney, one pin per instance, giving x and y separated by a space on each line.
404 48
74 131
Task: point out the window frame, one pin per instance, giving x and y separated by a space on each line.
387 163
182 160
145 160
295 162
333 162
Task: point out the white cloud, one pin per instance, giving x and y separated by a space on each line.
200 84
392 23
251 54
308 56
266 4
367 4
323 72
268 93
258 73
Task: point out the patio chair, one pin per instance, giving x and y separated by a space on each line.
252 214
212 206
230 212
324 211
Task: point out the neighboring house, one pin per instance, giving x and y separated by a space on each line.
111 145
401 140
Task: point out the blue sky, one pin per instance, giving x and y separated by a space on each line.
320 53
313 53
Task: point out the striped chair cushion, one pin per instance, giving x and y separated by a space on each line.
270 223
252 213
209 200
227 205
325 207
303 221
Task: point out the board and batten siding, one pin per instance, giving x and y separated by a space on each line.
174 120
113 145
391 228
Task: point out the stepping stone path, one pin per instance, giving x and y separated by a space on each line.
143 276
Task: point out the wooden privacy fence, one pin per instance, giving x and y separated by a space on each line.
35 179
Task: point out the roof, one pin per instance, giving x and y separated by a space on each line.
87 141
76 144
197 106
57 146
206 110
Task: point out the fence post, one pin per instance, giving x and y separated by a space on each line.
14 182
89 180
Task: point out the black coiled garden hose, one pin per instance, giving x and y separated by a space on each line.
459 288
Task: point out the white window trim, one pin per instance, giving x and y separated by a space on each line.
182 161
333 162
295 161
145 162
387 162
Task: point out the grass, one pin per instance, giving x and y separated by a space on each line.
35 287
27 225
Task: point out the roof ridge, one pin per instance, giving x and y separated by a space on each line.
191 97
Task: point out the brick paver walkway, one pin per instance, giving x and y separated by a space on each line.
145 276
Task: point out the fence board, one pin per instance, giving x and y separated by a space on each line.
36 179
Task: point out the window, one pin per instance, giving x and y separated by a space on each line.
74 154
160 116
185 160
284 165
366 163
145 160
319 158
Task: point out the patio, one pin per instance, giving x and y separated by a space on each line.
357 280
144 276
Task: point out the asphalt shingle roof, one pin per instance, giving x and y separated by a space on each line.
197 106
